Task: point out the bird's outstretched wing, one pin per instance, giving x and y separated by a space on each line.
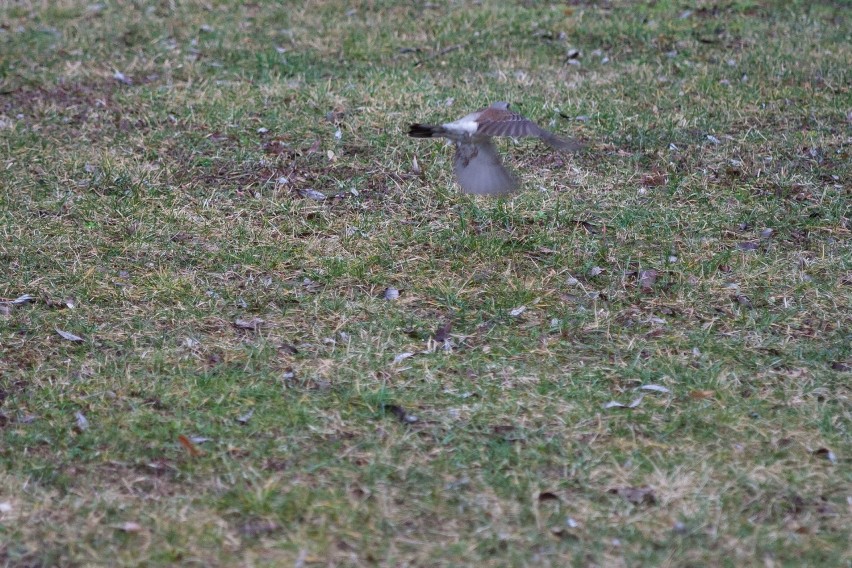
499 122
480 171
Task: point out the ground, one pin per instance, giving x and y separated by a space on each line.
247 321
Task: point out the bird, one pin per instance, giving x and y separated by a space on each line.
477 165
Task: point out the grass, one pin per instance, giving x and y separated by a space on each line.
152 202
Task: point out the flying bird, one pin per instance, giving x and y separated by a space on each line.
477 164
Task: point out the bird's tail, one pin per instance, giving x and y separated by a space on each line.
425 131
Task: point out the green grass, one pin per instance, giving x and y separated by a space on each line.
154 157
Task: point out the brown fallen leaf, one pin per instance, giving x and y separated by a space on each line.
190 447
654 179
701 394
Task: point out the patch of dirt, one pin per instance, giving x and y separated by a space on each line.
67 105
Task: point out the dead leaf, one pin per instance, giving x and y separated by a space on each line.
655 179
189 446
122 78
748 246
515 312
615 404
636 401
548 496
314 147
313 194
68 335
509 432
244 419
82 422
647 278
288 349
443 333
21 300
402 357
61 304
253 324
636 495
655 388
129 527
595 271
258 528
592 228
701 394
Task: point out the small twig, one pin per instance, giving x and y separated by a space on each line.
444 51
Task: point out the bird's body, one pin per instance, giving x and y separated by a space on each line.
477 165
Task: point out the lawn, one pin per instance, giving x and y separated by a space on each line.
245 320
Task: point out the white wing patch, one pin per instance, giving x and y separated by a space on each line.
466 125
